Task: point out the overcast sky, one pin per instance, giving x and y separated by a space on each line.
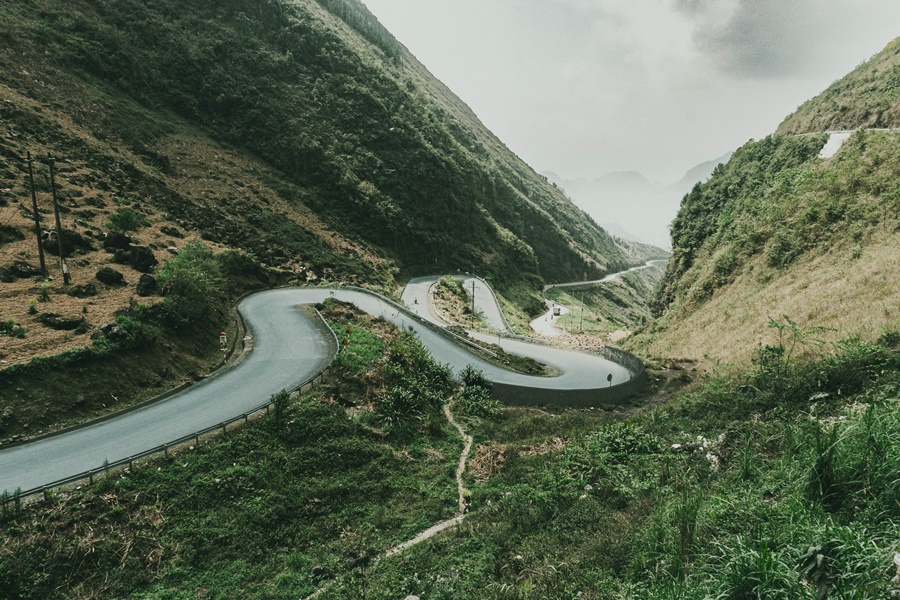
587 87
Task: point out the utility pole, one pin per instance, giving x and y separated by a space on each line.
582 312
62 254
37 218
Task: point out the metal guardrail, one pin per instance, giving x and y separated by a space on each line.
90 474
509 393
520 395
420 319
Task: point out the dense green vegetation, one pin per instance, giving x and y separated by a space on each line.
271 511
775 198
355 128
771 484
760 484
868 97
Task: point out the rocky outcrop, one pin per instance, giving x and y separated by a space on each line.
109 276
139 257
84 291
72 243
147 285
115 240
55 321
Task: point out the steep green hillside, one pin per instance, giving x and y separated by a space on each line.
779 232
869 97
351 125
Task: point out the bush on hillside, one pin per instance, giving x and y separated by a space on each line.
126 220
192 284
417 386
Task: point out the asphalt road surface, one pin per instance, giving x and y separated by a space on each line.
289 348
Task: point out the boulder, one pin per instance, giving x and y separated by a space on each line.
171 231
86 290
147 285
123 311
6 276
22 269
72 242
142 259
139 257
115 240
109 276
110 331
55 321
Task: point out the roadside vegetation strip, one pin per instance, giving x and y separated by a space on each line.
326 484
772 483
280 339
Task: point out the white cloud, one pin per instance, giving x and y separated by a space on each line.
584 87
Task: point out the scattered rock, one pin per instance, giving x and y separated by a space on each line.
115 240
139 257
146 285
8 234
55 321
172 250
109 276
110 331
71 241
20 268
143 259
123 311
86 290
83 328
171 231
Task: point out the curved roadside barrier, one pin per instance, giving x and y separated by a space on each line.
588 397
291 350
124 439
594 390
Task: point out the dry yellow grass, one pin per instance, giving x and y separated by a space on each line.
851 297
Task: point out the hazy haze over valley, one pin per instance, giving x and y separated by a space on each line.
584 88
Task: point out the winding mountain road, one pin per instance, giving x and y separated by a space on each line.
289 347
544 323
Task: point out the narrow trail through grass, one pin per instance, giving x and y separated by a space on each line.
438 527
460 469
467 446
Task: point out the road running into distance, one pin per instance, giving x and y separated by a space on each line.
288 348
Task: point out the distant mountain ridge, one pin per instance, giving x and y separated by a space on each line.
633 202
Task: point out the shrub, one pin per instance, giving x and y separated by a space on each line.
417 385
476 401
126 220
240 264
192 284
12 329
472 377
280 403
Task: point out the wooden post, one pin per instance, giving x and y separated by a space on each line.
62 255
37 217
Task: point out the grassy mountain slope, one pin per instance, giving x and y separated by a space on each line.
298 132
868 97
780 232
354 129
